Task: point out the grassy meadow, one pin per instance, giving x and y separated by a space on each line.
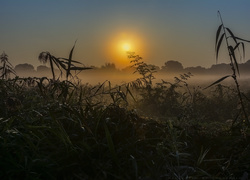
54 128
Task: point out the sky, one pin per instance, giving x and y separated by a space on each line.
157 30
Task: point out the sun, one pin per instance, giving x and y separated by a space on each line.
119 44
126 47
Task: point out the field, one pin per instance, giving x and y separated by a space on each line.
64 130
61 128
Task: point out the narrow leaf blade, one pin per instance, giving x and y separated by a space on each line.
232 35
217 35
218 81
219 44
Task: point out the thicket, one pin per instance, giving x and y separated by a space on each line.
63 129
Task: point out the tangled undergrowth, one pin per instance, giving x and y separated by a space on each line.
60 130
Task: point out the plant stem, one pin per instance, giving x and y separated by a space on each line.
234 72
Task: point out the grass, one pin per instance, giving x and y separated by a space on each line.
52 130
62 129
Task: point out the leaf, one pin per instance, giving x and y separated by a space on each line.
100 87
218 81
128 91
242 39
231 33
122 95
110 143
218 46
243 48
70 59
202 155
74 61
135 166
217 35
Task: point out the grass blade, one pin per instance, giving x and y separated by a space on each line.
218 81
70 59
202 156
243 49
232 35
242 39
110 144
217 35
218 46
100 87
128 91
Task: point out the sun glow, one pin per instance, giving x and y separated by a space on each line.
126 47
121 43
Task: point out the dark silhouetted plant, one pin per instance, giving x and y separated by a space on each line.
63 64
7 67
145 70
233 44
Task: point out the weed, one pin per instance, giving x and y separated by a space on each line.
6 67
224 33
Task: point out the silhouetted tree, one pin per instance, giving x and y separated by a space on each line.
172 66
24 67
220 69
43 68
196 70
109 67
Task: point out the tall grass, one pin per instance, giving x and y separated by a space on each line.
63 64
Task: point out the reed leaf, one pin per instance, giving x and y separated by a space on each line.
70 59
242 39
66 60
128 91
100 87
218 81
110 144
243 48
232 35
218 46
217 35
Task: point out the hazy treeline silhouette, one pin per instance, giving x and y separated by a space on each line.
170 67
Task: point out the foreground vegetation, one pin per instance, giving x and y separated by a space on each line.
63 129
60 130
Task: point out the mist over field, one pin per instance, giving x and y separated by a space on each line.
200 76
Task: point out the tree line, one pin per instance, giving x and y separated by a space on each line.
170 67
